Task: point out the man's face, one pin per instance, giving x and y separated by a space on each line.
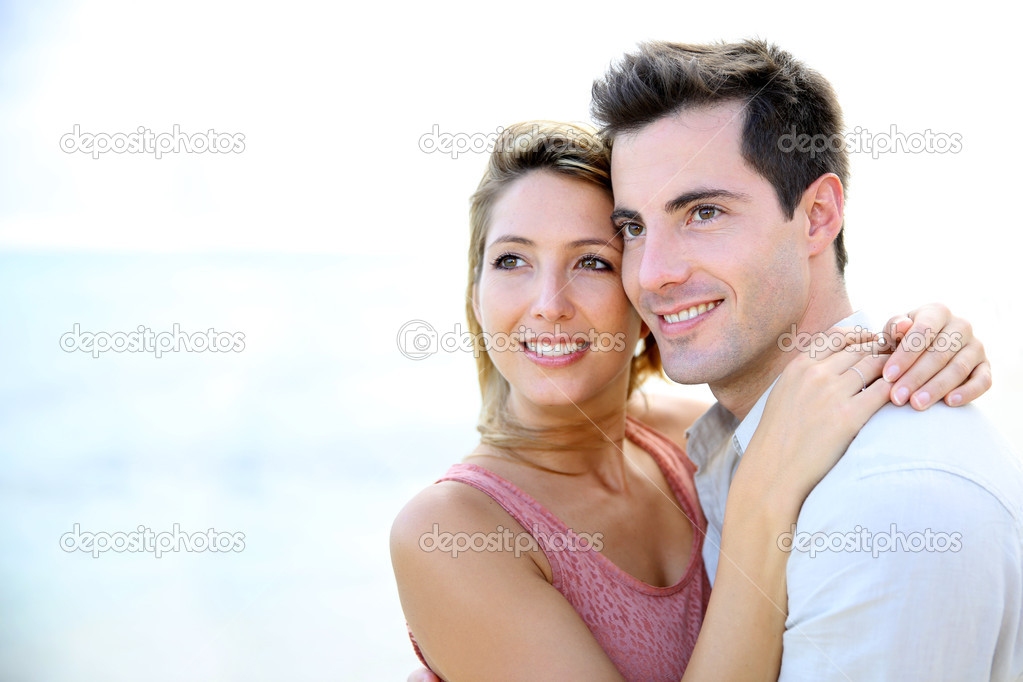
710 261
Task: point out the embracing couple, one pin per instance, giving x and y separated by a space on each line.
856 519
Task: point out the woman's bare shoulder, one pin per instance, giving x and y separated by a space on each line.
453 506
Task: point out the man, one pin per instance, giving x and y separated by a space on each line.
907 560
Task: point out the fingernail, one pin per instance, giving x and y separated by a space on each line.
955 399
923 399
891 373
901 395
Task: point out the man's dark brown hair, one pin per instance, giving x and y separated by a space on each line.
782 100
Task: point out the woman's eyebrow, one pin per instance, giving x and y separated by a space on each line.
510 238
596 242
591 241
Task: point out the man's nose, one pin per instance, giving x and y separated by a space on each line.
664 262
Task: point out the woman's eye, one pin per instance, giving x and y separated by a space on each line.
593 263
703 213
507 262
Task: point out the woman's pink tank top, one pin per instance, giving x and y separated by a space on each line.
648 632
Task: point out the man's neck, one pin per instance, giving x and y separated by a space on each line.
739 392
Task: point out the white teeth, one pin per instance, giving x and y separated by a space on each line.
683 315
556 349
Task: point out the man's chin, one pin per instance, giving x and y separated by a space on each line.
690 367
690 374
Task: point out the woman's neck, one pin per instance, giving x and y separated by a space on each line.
578 440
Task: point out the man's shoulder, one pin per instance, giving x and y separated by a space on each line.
904 454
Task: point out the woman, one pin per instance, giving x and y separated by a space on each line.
567 545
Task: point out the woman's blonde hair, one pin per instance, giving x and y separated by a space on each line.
566 149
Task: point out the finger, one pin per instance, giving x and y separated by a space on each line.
866 403
825 344
852 354
978 384
927 321
945 358
897 327
422 675
865 372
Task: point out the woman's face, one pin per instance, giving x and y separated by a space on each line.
551 283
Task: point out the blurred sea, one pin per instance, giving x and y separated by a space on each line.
308 442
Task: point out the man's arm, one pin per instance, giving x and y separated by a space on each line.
912 573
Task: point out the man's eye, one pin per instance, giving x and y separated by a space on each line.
706 213
633 229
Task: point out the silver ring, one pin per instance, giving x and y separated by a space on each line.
862 378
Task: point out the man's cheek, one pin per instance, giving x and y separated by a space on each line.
630 275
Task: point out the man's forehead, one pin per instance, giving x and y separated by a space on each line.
690 131
693 119
679 154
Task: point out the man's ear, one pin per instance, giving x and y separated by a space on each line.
824 203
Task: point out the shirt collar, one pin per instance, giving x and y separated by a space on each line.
710 428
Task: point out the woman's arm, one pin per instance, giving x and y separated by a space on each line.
485 615
814 411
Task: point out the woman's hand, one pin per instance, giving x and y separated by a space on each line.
954 366
817 406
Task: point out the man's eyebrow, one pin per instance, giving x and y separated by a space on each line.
702 194
624 214
681 201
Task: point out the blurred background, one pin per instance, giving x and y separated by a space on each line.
331 229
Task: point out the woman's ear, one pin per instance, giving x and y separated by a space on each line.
476 303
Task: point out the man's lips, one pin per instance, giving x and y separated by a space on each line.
689 311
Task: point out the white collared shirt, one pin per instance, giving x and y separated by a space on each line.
907 558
